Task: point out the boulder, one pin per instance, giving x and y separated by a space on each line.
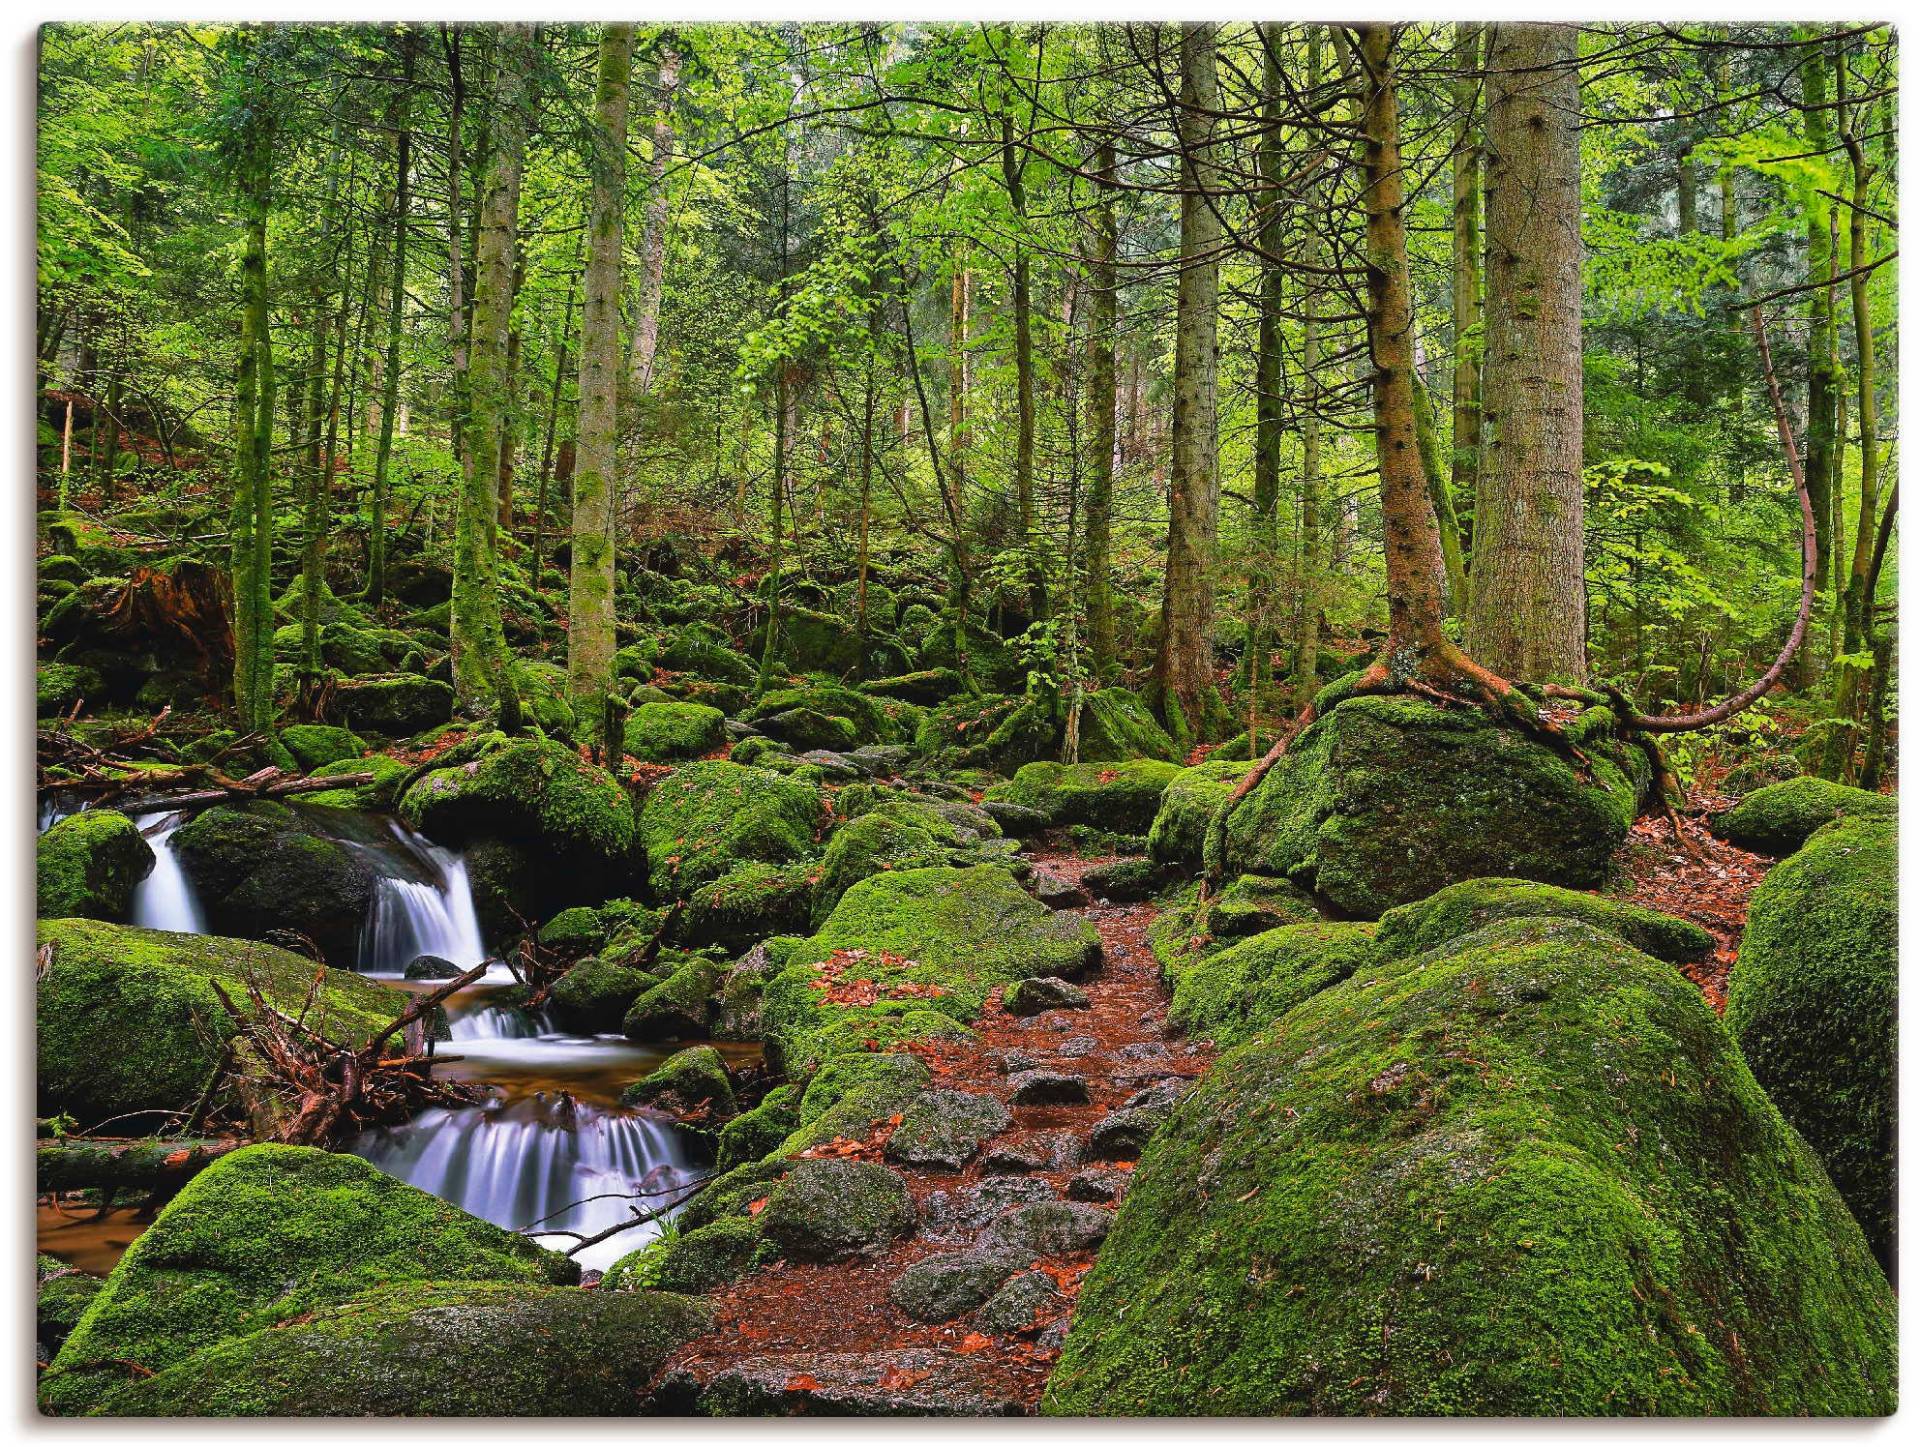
868 845
703 1259
665 733
832 1210
430 967
1539 1151
824 716
753 1134
1179 832
257 868
62 1295
950 1284
595 995
59 686
313 745
1015 1306
261 1239
89 864
1041 993
1234 994
1047 1228
1125 881
895 1382
703 819
1115 726
685 1082
1813 1001
680 1007
1120 797
748 903
1048 1087
399 705
1462 908
942 1129
129 1022
1384 800
1192 924
702 649
1779 818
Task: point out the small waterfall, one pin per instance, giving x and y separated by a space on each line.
542 1156
165 898
494 1022
423 908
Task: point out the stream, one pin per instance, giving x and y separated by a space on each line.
552 1146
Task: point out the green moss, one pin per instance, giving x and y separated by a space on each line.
533 792
128 1020
750 1135
313 745
680 1007
543 694
999 731
62 1296
1232 995
1813 1002
1179 832
261 1238
575 931
88 864
869 845
1473 903
1526 1174
1192 924
1121 797
703 819
398 706
926 686
663 733
872 723
595 995
59 686
691 1261
749 903
831 1210
440 1350
1779 818
703 649
1384 800
382 792
685 1081
1115 725
257 867
941 939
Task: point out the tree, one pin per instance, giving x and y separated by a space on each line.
1528 613
1102 399
396 315
590 597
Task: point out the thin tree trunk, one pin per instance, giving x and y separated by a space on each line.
1823 366
251 523
553 425
1012 170
1528 613
1103 287
1269 386
958 452
590 643
653 249
396 307
1305 672
457 329
1467 341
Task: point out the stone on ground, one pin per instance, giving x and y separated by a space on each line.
89 864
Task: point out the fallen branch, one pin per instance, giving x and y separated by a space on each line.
144 1164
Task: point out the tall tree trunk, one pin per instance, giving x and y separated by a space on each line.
590 594
396 310
1823 366
1183 674
251 523
1467 340
1103 326
510 420
1269 385
959 451
1304 675
553 425
653 247
1528 613
458 333
481 679
1013 172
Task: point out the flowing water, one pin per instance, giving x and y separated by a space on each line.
552 1146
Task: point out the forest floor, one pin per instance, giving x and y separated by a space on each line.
829 1333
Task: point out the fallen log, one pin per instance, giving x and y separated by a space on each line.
78 1164
268 783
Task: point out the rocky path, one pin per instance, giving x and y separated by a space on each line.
966 1315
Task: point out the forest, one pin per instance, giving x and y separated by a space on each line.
897 719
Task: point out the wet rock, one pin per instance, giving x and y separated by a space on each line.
1048 1228
1015 1305
1122 1135
1056 891
680 1007
943 1129
1017 1158
1017 819
399 705
1044 992
258 868
830 1210
889 1383
430 967
1048 1087
686 1082
949 1285
1101 1187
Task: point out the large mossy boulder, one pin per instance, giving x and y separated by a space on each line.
436 1350
398 705
1115 725
1187 807
88 864
1813 1002
666 733
1473 904
869 845
832 1210
747 904
570 820
1232 995
261 1239
1121 797
128 1020
316 745
909 953
257 867
1384 800
1779 818
1526 1174
703 819
702 649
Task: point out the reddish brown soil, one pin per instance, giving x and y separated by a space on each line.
844 1308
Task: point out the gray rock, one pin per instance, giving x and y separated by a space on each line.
1103 1187
835 766
1048 1087
1056 891
1015 1305
430 967
1018 1157
889 1383
1012 1062
1017 819
883 759
1076 1046
943 1129
830 1210
1044 992
1048 1228
951 1284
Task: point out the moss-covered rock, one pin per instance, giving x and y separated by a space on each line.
831 1210
938 940
1462 908
61 1297
574 932
435 1350
704 819
703 649
59 686
88 864
1115 726
993 731
752 1134
257 867
398 706
1525 1174
1232 995
1179 833
941 1129
1813 1002
666 733
926 686
129 1022
1193 923
258 1240
540 796
703 1259
1385 800
748 903
867 718
381 792
685 1082
1120 797
313 745
869 845
1779 818
594 996
852 1093
680 1007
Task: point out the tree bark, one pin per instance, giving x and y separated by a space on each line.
1467 339
396 310
1103 287
590 594
653 250
1528 613
1013 172
251 521
1823 366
